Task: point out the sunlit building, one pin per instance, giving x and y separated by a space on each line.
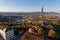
6 32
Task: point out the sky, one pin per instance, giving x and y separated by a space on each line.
29 5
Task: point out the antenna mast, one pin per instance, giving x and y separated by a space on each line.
42 7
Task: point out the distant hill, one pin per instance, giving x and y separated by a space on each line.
23 13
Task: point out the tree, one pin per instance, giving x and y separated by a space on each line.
40 31
52 33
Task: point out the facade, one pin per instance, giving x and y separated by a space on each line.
7 33
1 38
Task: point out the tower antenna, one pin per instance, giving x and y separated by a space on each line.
42 6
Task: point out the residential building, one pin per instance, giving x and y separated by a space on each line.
6 32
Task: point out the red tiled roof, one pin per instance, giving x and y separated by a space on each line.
32 36
2 27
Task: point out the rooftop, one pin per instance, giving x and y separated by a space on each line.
2 27
8 28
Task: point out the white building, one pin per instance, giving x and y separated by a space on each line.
6 32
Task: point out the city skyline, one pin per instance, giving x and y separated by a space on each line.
29 5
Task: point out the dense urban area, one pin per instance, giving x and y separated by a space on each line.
30 26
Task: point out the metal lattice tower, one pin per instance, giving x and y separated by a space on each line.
42 9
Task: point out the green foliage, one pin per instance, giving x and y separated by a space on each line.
40 31
52 33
